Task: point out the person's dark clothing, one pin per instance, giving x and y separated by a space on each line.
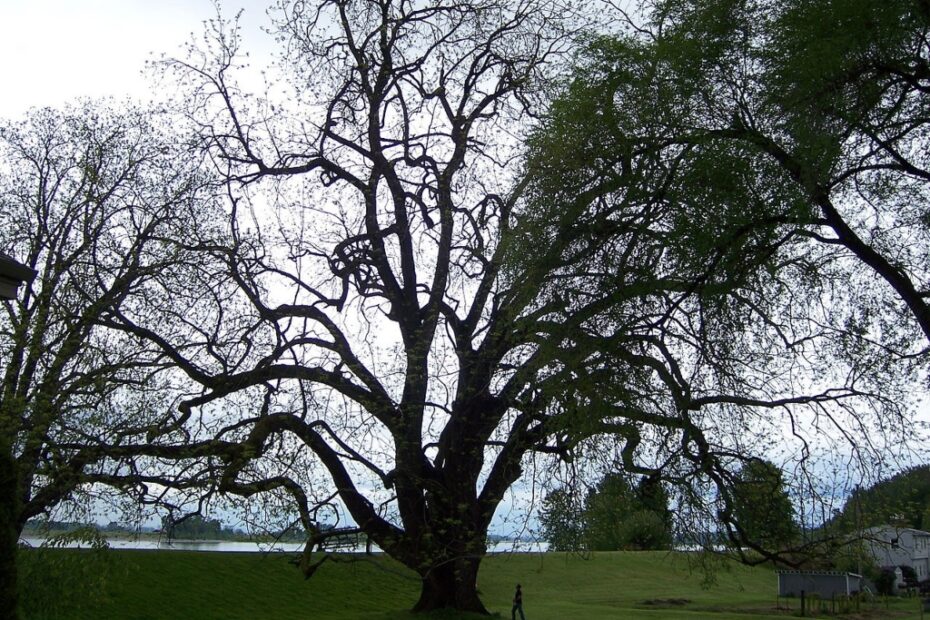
517 605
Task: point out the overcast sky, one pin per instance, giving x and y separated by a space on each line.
54 51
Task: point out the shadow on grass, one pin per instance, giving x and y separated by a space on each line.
440 614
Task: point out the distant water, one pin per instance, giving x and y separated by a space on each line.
181 545
253 547
518 546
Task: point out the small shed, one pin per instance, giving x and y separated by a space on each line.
824 584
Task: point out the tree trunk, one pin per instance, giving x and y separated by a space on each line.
453 585
9 538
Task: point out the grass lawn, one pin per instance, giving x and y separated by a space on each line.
157 585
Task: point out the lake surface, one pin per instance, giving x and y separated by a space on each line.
254 547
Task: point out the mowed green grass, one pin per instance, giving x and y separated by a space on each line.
157 585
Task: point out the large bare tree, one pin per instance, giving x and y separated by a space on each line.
404 310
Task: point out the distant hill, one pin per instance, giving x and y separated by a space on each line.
902 500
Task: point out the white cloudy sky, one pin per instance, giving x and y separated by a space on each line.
54 51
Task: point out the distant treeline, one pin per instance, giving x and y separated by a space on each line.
197 527
35 527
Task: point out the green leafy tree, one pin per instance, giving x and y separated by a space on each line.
620 515
561 521
828 101
608 507
193 527
787 139
94 200
762 513
645 530
613 516
655 528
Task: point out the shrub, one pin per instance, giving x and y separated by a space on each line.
884 583
56 582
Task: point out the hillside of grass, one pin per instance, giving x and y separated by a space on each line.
157 585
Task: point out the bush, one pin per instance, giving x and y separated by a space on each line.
884 582
55 581
645 530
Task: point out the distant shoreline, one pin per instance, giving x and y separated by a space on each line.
153 541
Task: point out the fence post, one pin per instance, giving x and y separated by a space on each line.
802 603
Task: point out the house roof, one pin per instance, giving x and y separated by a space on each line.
818 573
12 274
891 528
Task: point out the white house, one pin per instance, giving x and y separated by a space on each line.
900 546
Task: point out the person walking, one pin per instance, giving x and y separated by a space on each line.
517 604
